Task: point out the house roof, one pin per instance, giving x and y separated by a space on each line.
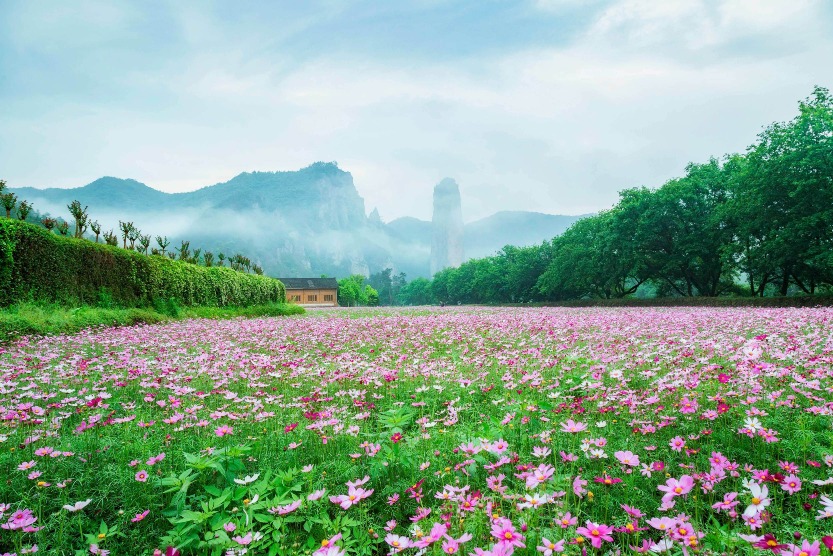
310 283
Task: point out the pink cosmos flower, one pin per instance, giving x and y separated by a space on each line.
627 458
791 484
245 540
596 532
578 486
140 516
677 443
142 476
224 430
353 496
548 547
573 426
674 487
506 534
397 542
566 520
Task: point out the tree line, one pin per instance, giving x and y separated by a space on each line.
132 237
758 223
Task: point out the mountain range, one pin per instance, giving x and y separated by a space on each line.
299 223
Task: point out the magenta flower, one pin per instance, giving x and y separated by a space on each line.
673 487
791 484
596 532
223 431
142 476
140 516
506 534
627 458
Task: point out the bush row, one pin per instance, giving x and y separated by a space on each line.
36 265
780 301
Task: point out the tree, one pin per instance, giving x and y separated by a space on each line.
2 186
23 210
416 292
8 200
257 269
221 257
785 199
125 230
371 295
352 291
49 223
110 238
163 243
80 215
195 258
96 228
63 228
184 251
208 258
133 234
144 241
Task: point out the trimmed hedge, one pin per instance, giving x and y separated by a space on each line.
37 265
779 301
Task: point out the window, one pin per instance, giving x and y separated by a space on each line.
328 297
312 297
296 298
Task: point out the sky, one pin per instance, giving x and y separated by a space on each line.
544 105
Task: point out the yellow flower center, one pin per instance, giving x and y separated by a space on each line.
629 527
595 532
678 490
101 536
756 500
325 542
508 535
771 542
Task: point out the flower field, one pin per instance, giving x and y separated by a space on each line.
437 431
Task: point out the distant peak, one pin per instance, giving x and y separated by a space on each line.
447 186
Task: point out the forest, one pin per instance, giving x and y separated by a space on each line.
754 224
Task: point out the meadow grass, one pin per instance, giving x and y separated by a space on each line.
447 431
22 319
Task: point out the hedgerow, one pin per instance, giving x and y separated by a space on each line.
36 265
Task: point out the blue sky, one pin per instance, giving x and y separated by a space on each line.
548 105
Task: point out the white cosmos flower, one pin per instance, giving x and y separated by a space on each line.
248 479
759 499
78 506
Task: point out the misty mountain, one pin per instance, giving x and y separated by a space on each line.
299 223
520 228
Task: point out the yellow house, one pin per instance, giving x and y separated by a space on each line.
311 292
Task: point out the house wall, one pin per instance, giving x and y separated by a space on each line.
319 297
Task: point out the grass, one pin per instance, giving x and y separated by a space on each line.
220 436
42 319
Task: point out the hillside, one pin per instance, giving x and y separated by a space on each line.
306 222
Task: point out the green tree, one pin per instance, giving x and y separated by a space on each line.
787 189
23 210
96 228
8 200
162 242
125 228
416 292
80 216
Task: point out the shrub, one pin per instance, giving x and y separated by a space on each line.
37 265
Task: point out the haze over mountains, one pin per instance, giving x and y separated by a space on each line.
299 223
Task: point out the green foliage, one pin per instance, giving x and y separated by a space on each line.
755 224
40 266
42 319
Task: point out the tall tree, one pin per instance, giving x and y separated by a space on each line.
8 200
23 210
96 228
80 216
162 242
